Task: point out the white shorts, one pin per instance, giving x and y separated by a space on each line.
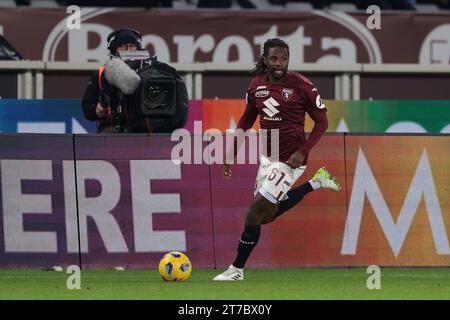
275 179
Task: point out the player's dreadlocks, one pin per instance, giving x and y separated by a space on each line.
260 66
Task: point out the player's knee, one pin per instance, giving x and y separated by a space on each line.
257 209
254 217
261 216
257 214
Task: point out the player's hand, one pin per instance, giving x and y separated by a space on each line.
295 160
226 170
100 111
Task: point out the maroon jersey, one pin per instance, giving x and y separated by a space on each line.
283 106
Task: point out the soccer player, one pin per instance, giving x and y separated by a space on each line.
280 98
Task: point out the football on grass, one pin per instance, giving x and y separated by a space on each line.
175 266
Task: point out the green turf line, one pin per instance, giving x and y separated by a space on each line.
271 284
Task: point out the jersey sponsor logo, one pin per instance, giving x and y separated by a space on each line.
319 102
261 93
271 105
287 93
273 118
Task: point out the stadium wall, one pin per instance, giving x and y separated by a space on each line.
319 36
361 116
323 38
103 201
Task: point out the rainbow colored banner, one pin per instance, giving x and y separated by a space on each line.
362 116
65 116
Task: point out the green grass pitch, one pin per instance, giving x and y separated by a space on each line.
268 284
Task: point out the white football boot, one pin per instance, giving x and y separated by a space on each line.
231 274
326 180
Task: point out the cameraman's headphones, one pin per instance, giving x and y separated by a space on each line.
112 36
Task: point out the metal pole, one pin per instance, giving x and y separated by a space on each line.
19 85
356 88
345 86
198 81
189 83
28 85
338 87
39 85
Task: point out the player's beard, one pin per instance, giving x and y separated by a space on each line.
278 73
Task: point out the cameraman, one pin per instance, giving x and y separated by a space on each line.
100 98
131 93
